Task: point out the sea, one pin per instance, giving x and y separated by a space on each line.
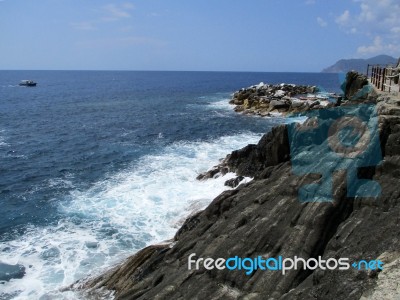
95 165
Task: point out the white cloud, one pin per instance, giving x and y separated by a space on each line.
379 21
378 46
344 18
395 30
110 12
371 49
116 12
321 22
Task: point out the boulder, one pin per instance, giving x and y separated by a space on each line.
296 103
247 104
239 108
234 182
278 104
8 272
354 82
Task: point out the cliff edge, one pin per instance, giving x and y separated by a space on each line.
265 218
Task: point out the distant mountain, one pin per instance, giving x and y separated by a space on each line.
359 65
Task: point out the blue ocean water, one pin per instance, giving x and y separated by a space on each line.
95 165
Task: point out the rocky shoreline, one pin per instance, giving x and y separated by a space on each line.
265 218
268 100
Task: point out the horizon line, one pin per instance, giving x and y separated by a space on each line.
121 70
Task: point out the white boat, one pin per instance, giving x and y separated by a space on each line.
27 83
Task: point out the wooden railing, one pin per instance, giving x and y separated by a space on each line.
385 78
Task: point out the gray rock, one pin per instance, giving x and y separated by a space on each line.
278 104
8 272
234 182
353 83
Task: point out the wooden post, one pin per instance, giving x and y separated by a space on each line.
373 75
383 79
378 78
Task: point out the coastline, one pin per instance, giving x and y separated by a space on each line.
260 217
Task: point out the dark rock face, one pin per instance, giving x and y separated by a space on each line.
354 82
252 160
234 182
8 272
265 218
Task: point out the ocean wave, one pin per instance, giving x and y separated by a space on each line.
221 104
117 216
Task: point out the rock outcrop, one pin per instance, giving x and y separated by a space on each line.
255 160
282 99
354 84
265 218
8 272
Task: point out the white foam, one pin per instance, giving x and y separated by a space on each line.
3 142
221 105
142 205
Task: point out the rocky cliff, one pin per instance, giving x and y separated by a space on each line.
265 218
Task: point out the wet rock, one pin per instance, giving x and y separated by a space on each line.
353 83
272 149
8 272
234 182
315 103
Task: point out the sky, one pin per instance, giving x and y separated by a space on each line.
202 35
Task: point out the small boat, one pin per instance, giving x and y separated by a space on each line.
27 83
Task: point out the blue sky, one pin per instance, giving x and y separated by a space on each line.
206 35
